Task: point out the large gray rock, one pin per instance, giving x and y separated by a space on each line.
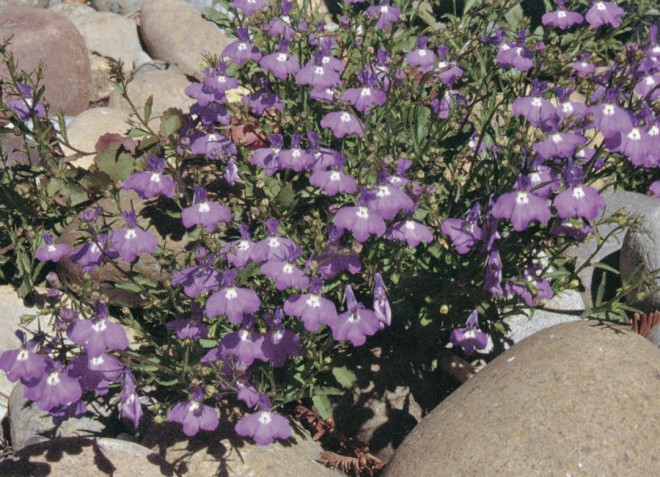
615 200
24 3
222 453
573 399
175 32
640 254
84 457
29 424
123 7
45 37
167 88
71 9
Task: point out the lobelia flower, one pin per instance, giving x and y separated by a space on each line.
334 181
94 372
249 7
444 105
522 206
218 82
55 388
421 57
264 426
326 95
543 181
604 13
562 18
463 233
284 272
382 307
232 301
636 144
239 252
515 55
272 247
342 123
242 51
387 200
67 411
99 335
296 158
574 228
365 97
317 74
280 343
52 252
247 393
90 254
131 409
537 110
24 107
128 243
558 144
244 345
470 338
532 288
648 87
447 72
493 281
211 146
356 323
578 200
190 329
312 308
281 63
654 189
583 67
151 183
194 415
197 279
384 14
204 213
609 118
360 221
268 157
566 108
209 115
411 232
23 363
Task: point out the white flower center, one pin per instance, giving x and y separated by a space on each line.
203 207
230 293
221 79
536 102
22 355
578 193
561 14
600 6
649 80
99 326
556 138
521 198
634 135
287 268
422 53
282 57
243 245
313 301
608 110
51 248
277 336
273 242
193 406
535 177
155 177
325 60
345 118
354 318
653 130
335 176
365 91
384 9
409 225
383 191
567 107
242 46
130 234
362 212
319 70
53 379
264 418
244 334
96 362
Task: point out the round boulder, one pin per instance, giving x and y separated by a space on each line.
577 398
41 36
24 3
640 255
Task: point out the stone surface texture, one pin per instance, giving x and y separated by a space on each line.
640 254
222 453
86 129
85 457
574 399
24 3
175 32
167 88
123 7
71 9
43 36
633 203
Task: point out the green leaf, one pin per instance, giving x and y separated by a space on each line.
514 17
607 268
97 181
286 196
147 108
323 405
128 287
118 165
171 121
344 376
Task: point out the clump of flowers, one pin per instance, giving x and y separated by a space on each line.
393 168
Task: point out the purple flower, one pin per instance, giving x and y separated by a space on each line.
151 183
264 426
574 228
604 13
284 273
312 308
239 252
24 107
538 111
52 252
192 328
387 200
197 279
464 234
579 200
470 338
194 415
583 67
89 255
381 303
522 207
94 372
543 181
279 344
242 51
384 14
212 146
411 232
129 242
562 18
640 147
281 63
249 7
268 157
131 409
247 393
447 72
360 221
654 189
204 213
318 75
558 144
232 301
55 388
245 345
609 118
421 57
334 181
296 158
515 55
365 97
531 288
99 334
272 247
356 323
342 123
493 279
23 363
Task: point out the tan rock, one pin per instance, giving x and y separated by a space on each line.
577 398
85 130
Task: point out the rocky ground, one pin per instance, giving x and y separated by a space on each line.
579 398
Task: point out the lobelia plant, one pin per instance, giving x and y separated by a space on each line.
450 162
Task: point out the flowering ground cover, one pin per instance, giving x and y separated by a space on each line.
392 169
